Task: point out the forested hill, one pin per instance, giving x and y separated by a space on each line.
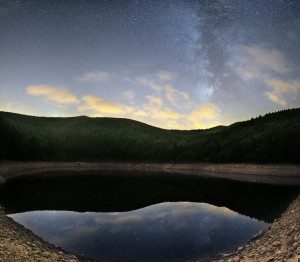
273 138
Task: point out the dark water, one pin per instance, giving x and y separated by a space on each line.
142 216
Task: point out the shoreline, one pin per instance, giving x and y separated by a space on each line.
256 173
18 243
279 242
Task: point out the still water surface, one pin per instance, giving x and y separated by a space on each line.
142 217
167 231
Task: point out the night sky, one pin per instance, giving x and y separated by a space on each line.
172 64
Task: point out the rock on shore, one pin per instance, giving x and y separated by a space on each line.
280 242
20 244
258 173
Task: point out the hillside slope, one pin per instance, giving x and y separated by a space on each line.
274 137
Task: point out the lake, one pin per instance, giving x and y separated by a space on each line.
140 216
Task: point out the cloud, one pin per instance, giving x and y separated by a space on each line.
262 58
161 85
98 104
60 95
144 81
173 95
248 73
173 124
204 116
156 82
156 112
206 111
128 94
282 90
258 63
127 219
280 85
221 211
275 98
184 95
164 75
142 113
155 100
162 113
255 61
95 76
153 111
18 107
170 94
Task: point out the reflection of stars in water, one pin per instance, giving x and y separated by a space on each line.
136 237
202 227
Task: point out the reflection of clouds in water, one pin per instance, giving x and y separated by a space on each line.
222 211
162 211
177 213
164 226
121 219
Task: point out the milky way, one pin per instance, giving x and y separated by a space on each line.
173 64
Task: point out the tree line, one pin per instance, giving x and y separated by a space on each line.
272 138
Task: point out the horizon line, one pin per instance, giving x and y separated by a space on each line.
111 117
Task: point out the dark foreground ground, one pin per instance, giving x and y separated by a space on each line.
280 242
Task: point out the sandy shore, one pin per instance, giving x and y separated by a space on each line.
280 242
270 174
